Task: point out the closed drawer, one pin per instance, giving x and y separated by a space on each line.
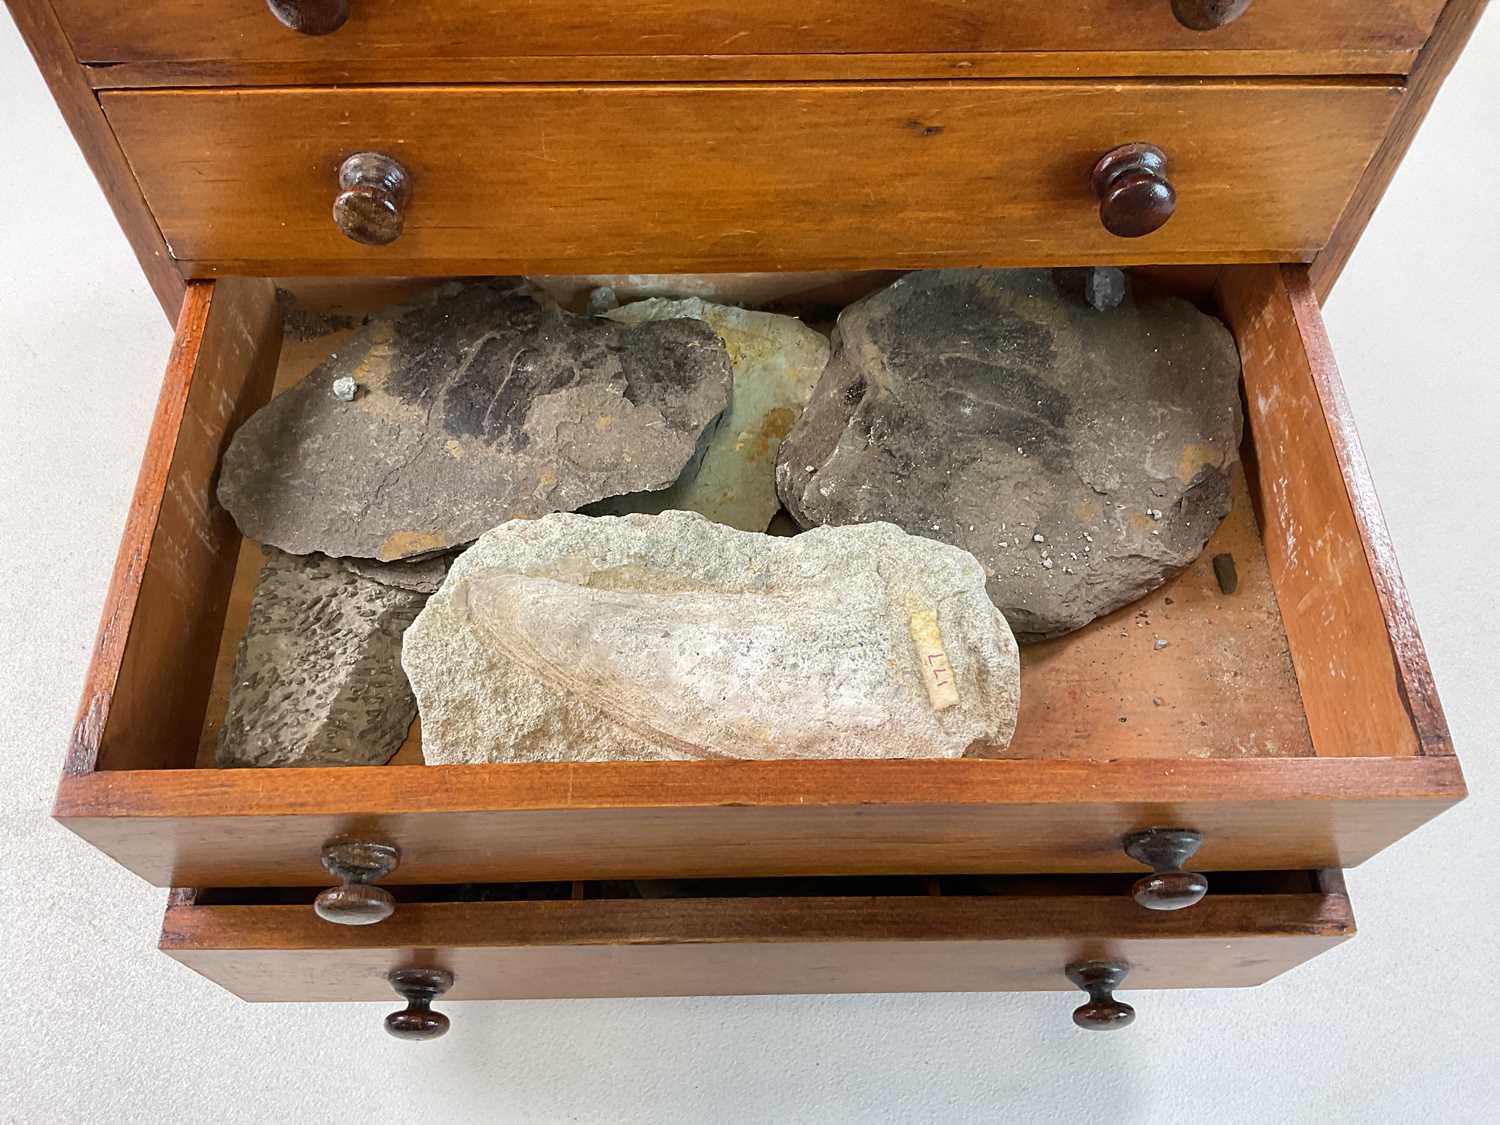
169 42
1294 725
818 936
743 178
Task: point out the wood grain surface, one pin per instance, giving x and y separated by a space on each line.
740 178
482 40
750 946
1366 685
152 662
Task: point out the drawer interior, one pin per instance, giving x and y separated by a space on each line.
1295 722
1245 675
766 936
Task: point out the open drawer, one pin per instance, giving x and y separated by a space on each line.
1294 725
761 937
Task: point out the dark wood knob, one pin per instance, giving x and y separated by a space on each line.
1100 979
1165 851
419 988
1135 196
373 193
1206 15
357 864
311 17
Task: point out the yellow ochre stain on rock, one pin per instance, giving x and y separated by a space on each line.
455 450
777 423
604 422
1194 457
401 544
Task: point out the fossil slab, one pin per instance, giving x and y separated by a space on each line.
483 406
576 638
777 363
1083 456
318 679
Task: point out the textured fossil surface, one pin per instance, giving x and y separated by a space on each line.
573 638
318 679
483 406
1082 455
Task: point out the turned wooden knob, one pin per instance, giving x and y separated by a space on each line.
311 17
1206 15
1165 850
419 988
357 864
1135 196
1100 979
373 193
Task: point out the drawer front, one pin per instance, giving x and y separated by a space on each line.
383 40
1020 940
744 178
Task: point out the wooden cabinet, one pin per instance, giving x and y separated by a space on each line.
1294 726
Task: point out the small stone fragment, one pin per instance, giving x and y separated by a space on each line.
938 381
1160 644
602 300
1227 573
777 362
318 679
1104 288
345 388
422 576
482 406
576 638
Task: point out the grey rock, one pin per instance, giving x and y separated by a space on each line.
345 388
577 638
422 576
1082 457
318 679
777 363
1104 288
484 406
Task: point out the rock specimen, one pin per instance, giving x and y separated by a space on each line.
483 406
577 638
422 576
777 362
318 679
1083 456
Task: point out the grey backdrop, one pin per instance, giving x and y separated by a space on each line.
1400 1024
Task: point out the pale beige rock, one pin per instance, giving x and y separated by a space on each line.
575 638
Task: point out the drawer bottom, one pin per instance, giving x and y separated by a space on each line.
759 937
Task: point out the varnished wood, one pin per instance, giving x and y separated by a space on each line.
1451 35
171 580
457 40
753 68
1167 851
357 864
742 946
417 1022
310 17
1136 197
1365 679
679 819
744 178
75 99
1100 979
1208 15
